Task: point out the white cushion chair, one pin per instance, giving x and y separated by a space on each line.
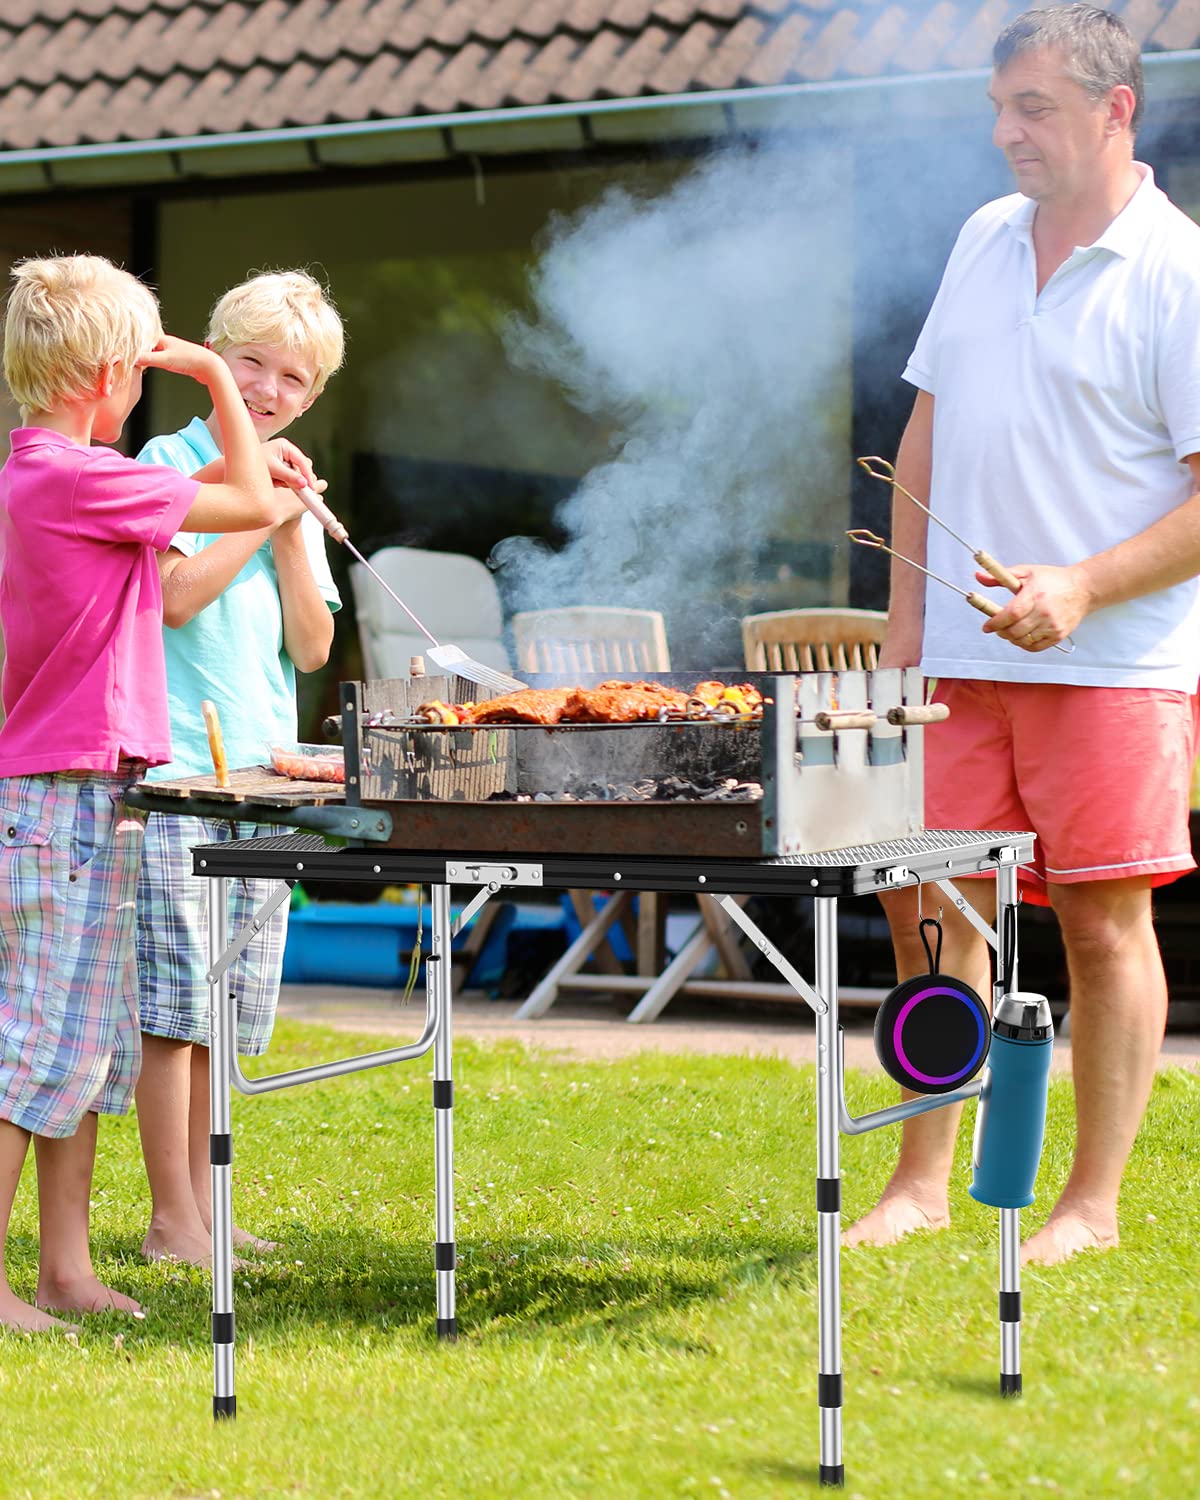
453 595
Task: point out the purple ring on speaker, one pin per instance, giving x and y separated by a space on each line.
899 1026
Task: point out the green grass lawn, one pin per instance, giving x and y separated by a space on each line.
637 1300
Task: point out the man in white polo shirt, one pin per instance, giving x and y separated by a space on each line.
1058 418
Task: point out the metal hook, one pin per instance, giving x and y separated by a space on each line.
920 910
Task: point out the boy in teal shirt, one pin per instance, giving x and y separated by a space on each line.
243 613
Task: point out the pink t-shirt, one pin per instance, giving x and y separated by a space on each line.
81 604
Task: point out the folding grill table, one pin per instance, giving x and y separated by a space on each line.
930 857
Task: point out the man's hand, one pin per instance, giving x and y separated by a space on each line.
290 466
1051 604
181 358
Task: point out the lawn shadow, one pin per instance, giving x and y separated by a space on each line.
987 1385
513 1289
783 1472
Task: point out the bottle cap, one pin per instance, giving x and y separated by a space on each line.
1024 1015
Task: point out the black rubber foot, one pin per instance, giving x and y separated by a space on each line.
833 1475
447 1328
1010 1385
224 1407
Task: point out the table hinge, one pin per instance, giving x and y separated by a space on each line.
889 875
471 872
1006 854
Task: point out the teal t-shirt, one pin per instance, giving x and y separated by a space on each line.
232 652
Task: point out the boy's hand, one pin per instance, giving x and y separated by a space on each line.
291 507
290 466
181 358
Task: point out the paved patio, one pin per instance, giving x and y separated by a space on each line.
598 1029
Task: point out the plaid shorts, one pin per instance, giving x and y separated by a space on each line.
172 936
69 1036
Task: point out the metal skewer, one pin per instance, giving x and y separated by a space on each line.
978 601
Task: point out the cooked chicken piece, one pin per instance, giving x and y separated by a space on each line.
621 703
530 706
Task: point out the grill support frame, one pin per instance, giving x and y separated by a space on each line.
826 878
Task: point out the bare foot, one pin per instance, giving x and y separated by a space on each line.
85 1294
190 1248
897 1214
244 1240
1065 1233
26 1318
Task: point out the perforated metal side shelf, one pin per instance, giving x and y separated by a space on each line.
933 855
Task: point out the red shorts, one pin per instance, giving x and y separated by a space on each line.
1101 775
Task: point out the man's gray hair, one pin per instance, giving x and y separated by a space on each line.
1096 46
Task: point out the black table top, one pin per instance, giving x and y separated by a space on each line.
933 855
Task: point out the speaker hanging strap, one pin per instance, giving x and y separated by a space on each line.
934 955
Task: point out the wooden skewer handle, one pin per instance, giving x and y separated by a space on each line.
915 713
844 718
999 572
983 604
216 741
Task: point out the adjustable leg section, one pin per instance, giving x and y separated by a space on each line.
1010 1301
1010 1218
829 1199
438 978
221 1034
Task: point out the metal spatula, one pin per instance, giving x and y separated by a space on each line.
451 659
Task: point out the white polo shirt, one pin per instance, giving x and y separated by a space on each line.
1060 423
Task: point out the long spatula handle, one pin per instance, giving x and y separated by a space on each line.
339 533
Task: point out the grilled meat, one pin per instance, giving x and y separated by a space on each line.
530 706
621 703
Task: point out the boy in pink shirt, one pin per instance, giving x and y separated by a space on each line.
85 696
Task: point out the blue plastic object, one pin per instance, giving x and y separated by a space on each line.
341 942
1011 1123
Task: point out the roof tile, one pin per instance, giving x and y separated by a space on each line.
82 70
685 59
729 63
635 64
778 58
1180 30
932 36
880 44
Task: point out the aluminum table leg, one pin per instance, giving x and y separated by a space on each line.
438 977
829 1199
222 1031
1010 1218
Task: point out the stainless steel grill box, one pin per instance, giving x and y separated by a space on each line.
822 788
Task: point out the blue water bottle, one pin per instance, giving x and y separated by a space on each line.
1011 1120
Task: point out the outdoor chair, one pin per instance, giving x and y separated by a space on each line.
586 638
625 643
817 640
813 640
453 595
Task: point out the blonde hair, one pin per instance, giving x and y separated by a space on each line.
68 315
287 309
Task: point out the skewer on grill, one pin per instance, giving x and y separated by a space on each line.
978 601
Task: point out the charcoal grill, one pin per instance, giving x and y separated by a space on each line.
864 779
